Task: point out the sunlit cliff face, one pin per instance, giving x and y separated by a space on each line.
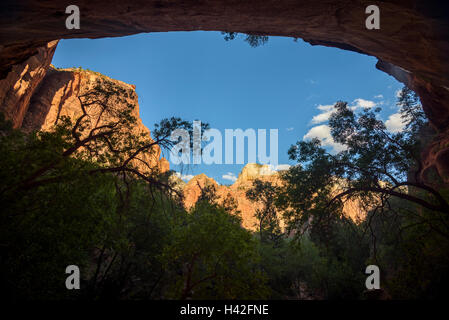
237 191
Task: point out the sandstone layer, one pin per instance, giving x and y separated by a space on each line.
22 81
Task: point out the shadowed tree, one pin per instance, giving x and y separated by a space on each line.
265 193
378 169
104 133
374 166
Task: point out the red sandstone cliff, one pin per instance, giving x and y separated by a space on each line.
57 96
34 96
21 82
236 191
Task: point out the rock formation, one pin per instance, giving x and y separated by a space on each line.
21 82
57 96
412 43
237 191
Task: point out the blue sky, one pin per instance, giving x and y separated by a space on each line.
285 85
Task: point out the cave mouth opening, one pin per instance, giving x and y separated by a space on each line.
285 84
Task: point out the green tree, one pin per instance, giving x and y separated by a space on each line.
47 227
254 40
265 193
76 194
374 167
406 213
213 257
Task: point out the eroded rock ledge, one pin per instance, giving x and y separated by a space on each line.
22 81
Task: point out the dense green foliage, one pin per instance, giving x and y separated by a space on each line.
218 257
75 195
84 194
129 240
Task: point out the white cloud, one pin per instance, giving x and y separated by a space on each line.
230 176
379 96
185 177
394 123
362 103
281 167
326 107
323 133
324 116
290 129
